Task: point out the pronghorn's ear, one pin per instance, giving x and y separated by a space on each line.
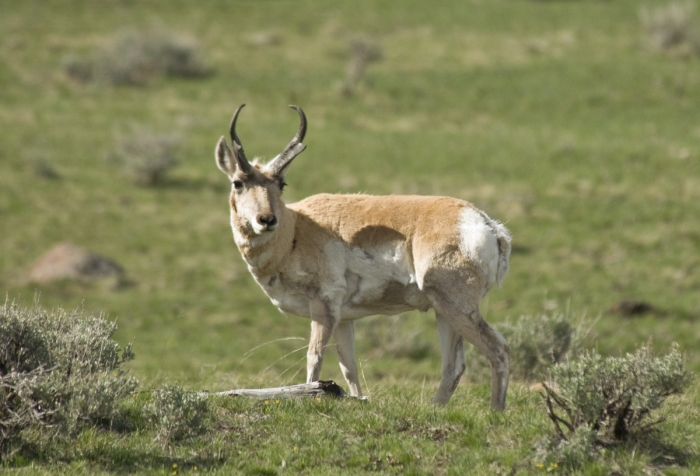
224 157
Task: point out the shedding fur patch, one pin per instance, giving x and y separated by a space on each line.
485 241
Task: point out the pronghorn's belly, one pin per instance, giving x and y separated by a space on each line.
380 280
377 280
393 299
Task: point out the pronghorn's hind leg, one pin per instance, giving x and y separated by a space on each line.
452 350
495 348
453 305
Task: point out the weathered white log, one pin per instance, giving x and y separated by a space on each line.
314 389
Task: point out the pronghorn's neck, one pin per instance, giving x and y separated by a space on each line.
263 253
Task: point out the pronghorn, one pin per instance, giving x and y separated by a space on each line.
337 258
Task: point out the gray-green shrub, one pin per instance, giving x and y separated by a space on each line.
59 372
362 51
134 57
597 400
176 414
671 25
146 157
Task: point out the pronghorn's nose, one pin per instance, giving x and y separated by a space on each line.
267 220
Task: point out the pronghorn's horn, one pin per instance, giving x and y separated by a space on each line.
238 152
294 148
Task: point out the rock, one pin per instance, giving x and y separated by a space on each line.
68 261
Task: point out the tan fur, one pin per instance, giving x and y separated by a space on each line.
337 258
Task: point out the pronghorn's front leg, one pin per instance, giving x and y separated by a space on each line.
324 320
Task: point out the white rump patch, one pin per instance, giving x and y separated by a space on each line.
479 243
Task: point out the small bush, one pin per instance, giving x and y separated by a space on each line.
362 52
672 25
536 343
595 400
177 414
133 58
614 396
146 157
59 372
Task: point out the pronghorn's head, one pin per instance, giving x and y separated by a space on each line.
256 188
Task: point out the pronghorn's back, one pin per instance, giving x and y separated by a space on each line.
337 258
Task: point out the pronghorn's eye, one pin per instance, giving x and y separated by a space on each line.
237 184
282 185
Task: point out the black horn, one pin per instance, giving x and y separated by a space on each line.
301 133
294 148
238 152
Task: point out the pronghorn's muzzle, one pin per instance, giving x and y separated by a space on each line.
267 222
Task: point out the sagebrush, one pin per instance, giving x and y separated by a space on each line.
362 51
60 371
176 414
133 57
671 25
146 157
596 400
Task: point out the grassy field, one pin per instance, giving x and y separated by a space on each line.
554 117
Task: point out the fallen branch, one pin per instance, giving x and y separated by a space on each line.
314 389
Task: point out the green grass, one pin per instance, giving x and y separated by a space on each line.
398 432
551 116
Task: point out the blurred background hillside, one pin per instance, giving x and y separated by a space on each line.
575 123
